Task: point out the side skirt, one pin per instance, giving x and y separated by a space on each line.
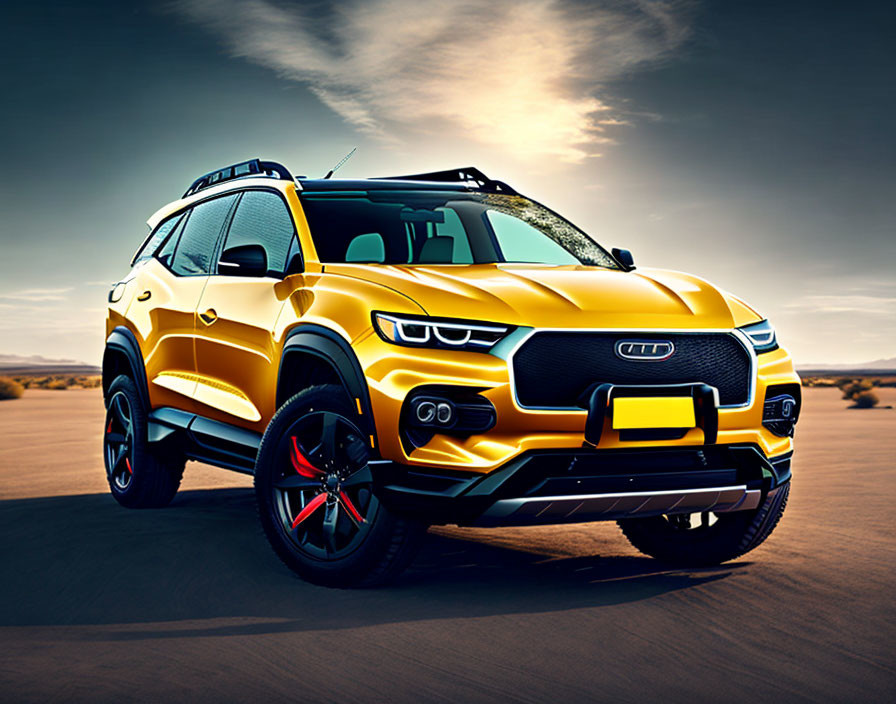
205 440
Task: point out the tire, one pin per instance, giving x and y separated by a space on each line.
732 535
139 476
316 496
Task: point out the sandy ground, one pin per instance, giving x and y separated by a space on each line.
99 603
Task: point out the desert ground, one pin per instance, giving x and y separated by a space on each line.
102 604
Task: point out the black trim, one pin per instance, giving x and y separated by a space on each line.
446 496
205 440
333 349
459 175
123 341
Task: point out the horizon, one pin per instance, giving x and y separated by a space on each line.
747 145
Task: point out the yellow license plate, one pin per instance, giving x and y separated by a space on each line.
653 412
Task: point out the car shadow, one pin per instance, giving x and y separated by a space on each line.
203 567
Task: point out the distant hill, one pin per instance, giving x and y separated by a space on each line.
876 367
36 364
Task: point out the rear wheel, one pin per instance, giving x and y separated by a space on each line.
706 538
138 475
316 496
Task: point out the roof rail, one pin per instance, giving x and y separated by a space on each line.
253 167
464 173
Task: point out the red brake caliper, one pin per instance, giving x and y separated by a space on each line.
304 468
301 464
347 502
310 508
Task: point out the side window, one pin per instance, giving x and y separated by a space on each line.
155 239
520 242
262 218
196 247
165 254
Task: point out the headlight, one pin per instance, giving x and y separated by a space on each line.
762 335
438 332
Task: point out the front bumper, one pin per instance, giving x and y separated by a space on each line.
394 372
547 487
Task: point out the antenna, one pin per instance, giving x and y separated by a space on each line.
344 159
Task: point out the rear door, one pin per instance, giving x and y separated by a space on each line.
163 311
236 354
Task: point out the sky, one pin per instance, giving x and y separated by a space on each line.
750 143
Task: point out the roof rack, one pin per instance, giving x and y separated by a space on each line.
464 173
253 167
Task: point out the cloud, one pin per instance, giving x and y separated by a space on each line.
845 303
524 75
34 295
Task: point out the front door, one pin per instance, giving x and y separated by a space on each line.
236 353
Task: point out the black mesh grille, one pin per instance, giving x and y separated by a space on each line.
553 369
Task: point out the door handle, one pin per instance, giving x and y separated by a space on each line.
209 316
144 296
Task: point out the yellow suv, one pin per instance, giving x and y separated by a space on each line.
385 354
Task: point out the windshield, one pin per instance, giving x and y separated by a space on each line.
443 227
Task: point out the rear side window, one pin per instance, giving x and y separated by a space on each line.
262 218
196 247
156 238
166 252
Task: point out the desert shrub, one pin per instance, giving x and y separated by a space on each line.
10 388
853 389
57 384
819 381
90 382
865 399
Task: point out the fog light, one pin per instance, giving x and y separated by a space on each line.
445 413
433 412
439 410
425 411
779 414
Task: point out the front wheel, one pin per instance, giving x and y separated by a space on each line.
316 497
706 538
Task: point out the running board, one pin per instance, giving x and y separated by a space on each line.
206 440
601 507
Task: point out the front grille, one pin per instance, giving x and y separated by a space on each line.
554 369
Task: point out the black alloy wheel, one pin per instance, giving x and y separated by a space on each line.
118 441
324 491
317 495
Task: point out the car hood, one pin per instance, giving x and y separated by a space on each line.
559 296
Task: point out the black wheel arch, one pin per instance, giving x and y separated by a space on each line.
328 358
122 356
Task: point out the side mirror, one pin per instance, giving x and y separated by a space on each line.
624 257
245 260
